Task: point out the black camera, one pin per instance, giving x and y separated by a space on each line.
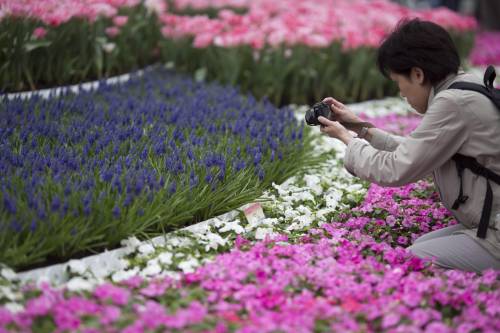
317 110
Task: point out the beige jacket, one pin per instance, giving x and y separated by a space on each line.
456 121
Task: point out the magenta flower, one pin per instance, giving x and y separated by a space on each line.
39 33
108 291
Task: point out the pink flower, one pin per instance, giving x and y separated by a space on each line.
120 20
39 32
390 320
40 306
65 319
111 292
5 316
112 31
109 314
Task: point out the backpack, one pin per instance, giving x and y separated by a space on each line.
467 162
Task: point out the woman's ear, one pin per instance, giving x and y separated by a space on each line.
417 75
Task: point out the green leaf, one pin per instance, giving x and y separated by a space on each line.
33 45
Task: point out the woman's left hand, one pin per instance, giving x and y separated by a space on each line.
335 130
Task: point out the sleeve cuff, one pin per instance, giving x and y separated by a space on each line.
379 139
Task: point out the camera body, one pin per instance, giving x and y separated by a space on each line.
317 110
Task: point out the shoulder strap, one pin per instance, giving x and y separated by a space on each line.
487 90
467 162
471 86
489 77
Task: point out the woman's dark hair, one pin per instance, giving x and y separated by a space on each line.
423 44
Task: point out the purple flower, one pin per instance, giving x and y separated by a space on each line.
116 211
9 203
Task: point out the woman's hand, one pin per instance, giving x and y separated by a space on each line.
342 113
335 130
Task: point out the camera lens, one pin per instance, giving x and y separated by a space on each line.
311 119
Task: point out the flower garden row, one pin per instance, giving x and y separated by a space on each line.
290 51
81 172
329 257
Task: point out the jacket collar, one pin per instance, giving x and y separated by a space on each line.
443 85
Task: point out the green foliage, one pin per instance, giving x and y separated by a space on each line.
75 51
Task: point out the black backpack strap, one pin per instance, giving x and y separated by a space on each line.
471 86
489 77
466 162
487 90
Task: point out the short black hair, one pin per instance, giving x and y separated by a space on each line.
422 44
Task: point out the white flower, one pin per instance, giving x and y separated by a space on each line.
165 258
232 226
14 307
270 221
178 241
216 222
214 240
130 244
189 265
332 198
153 268
354 187
6 292
108 47
9 274
291 213
304 210
300 222
77 266
78 283
157 6
261 233
320 214
146 249
302 196
253 224
199 228
313 182
171 274
105 266
124 275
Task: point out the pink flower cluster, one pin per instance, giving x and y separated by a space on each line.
56 12
315 23
395 123
487 49
333 279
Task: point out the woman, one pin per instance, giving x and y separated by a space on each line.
422 59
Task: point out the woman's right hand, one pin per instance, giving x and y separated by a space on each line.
342 113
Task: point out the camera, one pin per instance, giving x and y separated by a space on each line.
317 110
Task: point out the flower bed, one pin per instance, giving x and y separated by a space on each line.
289 53
314 265
82 172
295 52
487 49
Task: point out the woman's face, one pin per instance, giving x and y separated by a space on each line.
413 88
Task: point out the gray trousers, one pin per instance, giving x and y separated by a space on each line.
454 251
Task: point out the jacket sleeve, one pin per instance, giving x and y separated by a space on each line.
383 140
438 137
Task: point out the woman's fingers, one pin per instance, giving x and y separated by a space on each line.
328 100
325 121
337 104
